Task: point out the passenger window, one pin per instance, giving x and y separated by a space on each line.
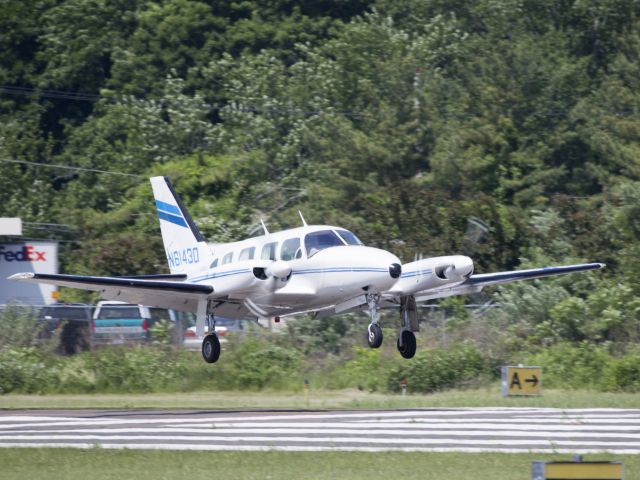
228 258
214 264
289 249
247 253
269 251
316 241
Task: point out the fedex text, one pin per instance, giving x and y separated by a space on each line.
28 253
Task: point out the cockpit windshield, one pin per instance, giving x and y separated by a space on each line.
349 237
316 241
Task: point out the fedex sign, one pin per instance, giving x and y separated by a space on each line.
38 256
27 253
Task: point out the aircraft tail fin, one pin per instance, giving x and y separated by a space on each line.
187 252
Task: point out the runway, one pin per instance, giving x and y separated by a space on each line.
510 430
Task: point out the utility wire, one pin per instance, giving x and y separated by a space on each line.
70 167
28 91
241 107
89 97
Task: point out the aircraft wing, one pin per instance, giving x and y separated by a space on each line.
158 293
476 282
512 276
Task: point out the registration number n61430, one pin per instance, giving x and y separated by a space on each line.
186 256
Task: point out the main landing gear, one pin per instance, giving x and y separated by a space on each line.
407 343
211 344
409 323
406 338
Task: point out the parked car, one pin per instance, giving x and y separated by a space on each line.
224 327
119 322
72 322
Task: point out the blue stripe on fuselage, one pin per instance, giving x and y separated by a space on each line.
211 276
416 273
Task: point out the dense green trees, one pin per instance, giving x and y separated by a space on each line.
406 122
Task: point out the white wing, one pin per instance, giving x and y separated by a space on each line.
158 293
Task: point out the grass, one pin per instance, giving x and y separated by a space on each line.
324 399
100 464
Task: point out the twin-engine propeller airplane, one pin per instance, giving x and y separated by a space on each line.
317 269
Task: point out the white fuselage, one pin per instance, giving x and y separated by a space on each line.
302 269
314 268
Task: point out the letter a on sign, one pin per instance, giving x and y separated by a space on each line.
515 380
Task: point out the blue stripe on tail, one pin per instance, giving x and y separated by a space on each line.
167 207
173 219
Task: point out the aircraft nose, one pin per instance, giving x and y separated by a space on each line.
395 270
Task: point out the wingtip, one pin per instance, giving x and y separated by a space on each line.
22 276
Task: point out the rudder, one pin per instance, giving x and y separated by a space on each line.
187 252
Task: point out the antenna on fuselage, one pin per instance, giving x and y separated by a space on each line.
304 223
264 227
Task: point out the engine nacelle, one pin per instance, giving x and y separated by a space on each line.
279 269
432 273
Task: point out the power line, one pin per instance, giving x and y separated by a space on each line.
28 91
70 167
246 108
89 97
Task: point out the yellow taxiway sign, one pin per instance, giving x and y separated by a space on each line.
521 380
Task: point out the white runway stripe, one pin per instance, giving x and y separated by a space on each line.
339 431
332 440
441 426
463 430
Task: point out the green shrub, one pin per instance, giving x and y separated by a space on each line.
257 364
433 370
622 374
74 375
19 327
133 369
24 370
568 365
367 370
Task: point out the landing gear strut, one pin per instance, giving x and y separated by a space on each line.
375 331
211 344
406 338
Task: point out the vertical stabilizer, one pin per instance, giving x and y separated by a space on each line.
187 252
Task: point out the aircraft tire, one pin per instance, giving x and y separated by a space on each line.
211 348
375 335
408 348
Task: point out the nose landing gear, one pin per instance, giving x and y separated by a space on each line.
375 335
375 331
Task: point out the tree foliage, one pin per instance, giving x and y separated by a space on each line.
406 122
